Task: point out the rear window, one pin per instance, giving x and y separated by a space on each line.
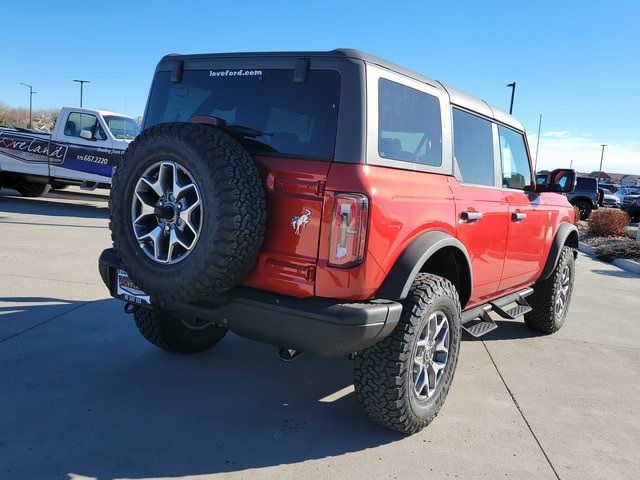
586 183
291 119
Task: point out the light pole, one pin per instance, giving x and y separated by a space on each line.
81 82
513 94
601 157
571 163
31 92
535 164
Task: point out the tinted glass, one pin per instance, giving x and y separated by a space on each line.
291 119
409 124
516 170
586 183
84 121
473 148
122 128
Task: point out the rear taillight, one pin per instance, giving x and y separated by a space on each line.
348 229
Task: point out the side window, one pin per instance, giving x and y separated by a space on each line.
473 148
76 122
409 124
516 170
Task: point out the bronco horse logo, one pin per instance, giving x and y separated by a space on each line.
300 221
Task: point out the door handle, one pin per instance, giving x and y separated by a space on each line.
517 216
471 216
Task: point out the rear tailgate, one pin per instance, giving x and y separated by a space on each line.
294 190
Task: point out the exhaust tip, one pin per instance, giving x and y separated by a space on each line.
287 354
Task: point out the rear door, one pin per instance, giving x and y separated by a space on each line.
482 210
528 215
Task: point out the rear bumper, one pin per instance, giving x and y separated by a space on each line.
313 325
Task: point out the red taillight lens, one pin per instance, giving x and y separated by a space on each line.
348 229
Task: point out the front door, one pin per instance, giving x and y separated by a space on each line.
528 215
90 158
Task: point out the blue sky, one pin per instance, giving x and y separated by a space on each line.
577 63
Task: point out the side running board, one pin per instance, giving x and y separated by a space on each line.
477 321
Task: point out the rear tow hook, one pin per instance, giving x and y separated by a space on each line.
287 354
129 308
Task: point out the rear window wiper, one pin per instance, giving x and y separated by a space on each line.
236 130
245 131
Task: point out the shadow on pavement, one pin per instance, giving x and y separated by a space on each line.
615 273
40 206
85 394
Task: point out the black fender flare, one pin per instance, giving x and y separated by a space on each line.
567 234
404 271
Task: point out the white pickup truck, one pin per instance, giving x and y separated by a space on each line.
82 150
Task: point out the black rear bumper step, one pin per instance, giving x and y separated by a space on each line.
312 325
477 321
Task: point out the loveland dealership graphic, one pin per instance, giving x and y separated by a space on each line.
32 149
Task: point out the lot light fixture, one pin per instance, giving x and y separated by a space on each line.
31 93
601 158
512 86
81 82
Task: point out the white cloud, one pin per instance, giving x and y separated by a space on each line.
556 134
557 149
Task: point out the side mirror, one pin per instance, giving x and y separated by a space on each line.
86 134
562 180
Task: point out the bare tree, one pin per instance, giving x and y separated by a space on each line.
43 119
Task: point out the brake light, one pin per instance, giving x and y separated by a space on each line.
348 229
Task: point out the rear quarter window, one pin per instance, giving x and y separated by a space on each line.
409 124
294 119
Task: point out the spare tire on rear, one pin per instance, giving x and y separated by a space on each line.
187 212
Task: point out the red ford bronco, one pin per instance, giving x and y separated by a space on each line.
336 204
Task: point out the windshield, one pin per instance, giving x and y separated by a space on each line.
284 118
122 128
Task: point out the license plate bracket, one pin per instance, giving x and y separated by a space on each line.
129 291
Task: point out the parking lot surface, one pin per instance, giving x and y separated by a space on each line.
83 395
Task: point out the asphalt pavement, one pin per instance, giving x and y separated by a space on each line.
83 395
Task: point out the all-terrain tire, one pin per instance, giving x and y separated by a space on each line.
383 372
32 189
545 316
170 333
233 212
584 207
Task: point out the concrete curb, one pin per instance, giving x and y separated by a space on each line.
630 266
586 249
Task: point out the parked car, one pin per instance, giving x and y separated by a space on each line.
585 196
607 199
337 204
610 186
631 205
624 191
82 150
